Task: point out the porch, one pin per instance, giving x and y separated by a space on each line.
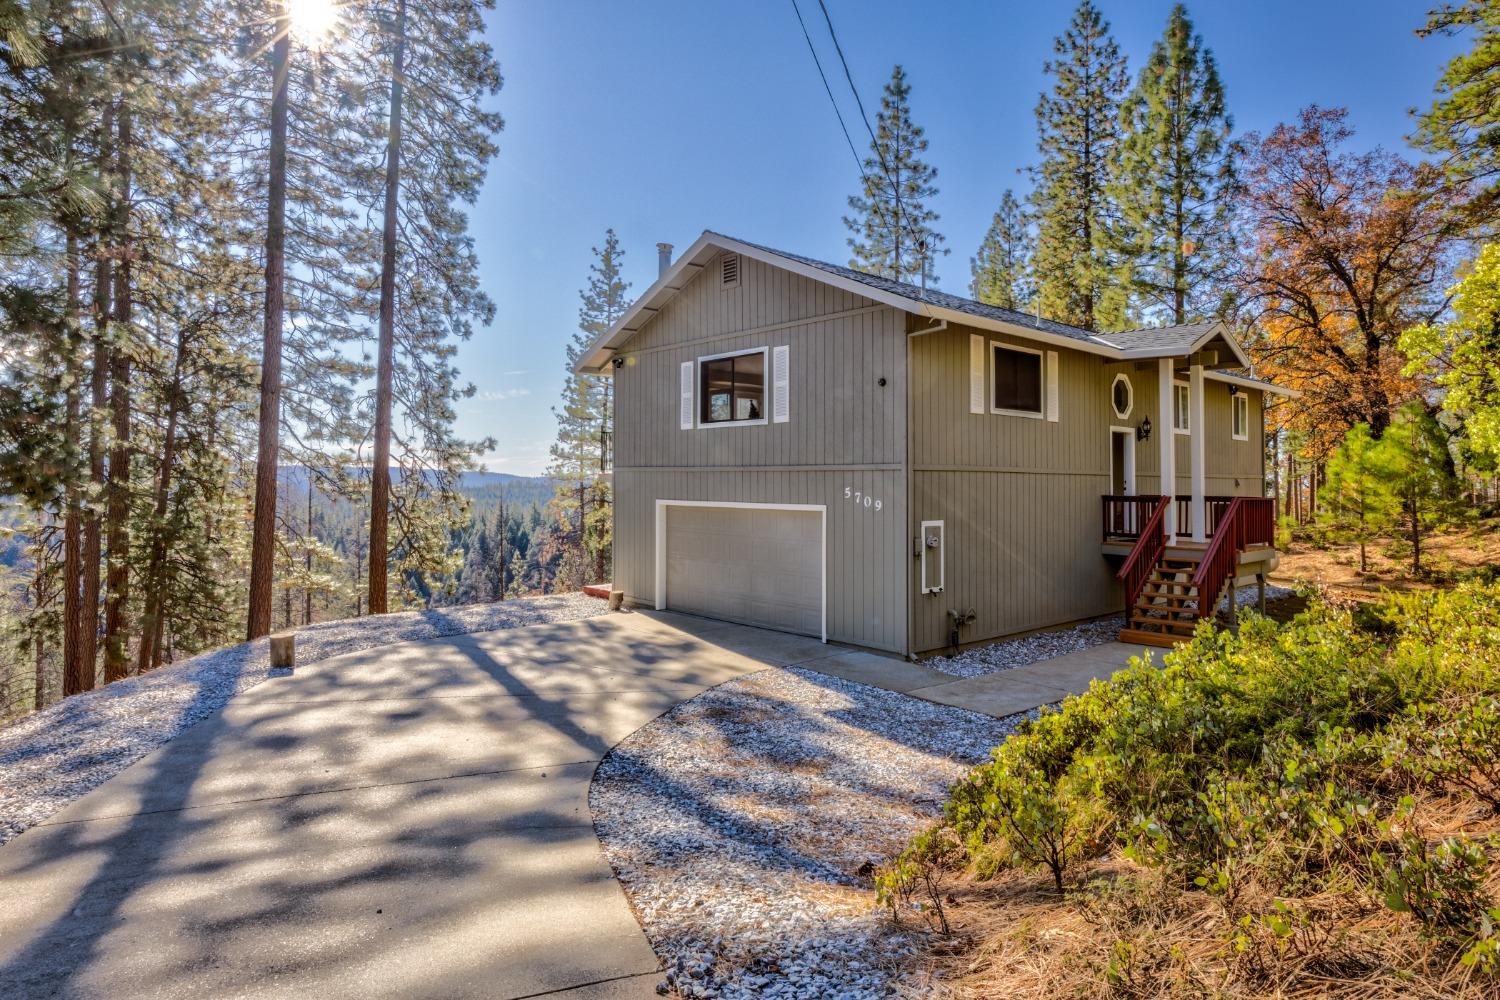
1171 581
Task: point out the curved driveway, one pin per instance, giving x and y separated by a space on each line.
408 821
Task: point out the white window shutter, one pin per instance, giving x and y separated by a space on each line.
687 395
976 373
1052 386
781 383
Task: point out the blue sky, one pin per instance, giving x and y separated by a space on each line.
663 119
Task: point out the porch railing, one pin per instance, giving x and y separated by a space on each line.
1150 544
1247 521
1124 515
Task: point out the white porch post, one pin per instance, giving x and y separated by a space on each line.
1196 437
1166 437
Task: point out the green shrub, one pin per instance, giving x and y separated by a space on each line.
1278 763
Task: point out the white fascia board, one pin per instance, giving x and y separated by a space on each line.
683 270
1250 383
1016 330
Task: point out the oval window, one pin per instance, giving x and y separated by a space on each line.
1122 396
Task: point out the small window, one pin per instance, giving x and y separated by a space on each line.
1181 409
1239 410
1122 396
1018 381
732 389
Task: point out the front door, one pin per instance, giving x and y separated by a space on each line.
1122 462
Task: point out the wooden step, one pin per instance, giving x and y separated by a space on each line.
1170 624
1138 638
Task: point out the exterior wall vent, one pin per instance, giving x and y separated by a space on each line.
729 271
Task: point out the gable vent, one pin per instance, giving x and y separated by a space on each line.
729 270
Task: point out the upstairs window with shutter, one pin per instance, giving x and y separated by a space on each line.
1016 380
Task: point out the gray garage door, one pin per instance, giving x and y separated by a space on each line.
750 565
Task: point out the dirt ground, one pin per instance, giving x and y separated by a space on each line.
1446 558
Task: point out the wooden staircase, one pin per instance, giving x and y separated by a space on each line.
1165 588
1167 610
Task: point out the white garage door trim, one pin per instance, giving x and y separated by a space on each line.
661 544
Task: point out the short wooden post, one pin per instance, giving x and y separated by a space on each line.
1260 596
284 650
1234 606
616 599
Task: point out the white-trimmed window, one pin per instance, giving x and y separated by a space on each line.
1239 416
1122 396
1016 380
732 389
1182 420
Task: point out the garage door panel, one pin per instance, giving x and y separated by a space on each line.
753 565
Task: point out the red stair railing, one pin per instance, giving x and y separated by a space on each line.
1248 521
1147 552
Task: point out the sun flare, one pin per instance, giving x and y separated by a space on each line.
313 20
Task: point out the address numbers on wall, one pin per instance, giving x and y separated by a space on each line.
860 499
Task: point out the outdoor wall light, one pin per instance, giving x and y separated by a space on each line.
1143 432
617 361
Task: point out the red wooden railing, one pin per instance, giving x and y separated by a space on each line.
1148 549
1125 515
1247 521
1214 507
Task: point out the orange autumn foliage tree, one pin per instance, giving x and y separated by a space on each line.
1343 252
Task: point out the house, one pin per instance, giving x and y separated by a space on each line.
805 447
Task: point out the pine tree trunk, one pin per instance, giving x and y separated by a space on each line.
73 512
117 537
307 556
380 474
268 439
148 655
93 526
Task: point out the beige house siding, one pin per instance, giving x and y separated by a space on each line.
844 431
1019 496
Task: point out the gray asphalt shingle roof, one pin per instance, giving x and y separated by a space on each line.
1173 338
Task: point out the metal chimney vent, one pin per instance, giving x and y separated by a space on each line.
729 270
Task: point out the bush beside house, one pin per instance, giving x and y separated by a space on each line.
1306 808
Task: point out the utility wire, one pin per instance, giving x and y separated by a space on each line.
829 90
902 221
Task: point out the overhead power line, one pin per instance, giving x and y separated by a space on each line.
829 91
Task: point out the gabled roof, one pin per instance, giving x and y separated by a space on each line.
1161 342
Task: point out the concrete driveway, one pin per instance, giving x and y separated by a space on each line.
408 821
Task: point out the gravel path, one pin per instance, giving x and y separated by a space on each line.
52 757
742 823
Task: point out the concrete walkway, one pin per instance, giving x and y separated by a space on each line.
1003 693
407 821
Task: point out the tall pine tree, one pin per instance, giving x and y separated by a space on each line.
891 221
1001 270
581 511
1078 126
1175 181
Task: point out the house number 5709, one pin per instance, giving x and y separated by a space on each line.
859 499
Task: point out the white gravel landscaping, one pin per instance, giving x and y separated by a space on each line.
744 824
1011 653
52 757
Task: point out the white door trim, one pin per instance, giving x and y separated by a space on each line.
661 544
1129 458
